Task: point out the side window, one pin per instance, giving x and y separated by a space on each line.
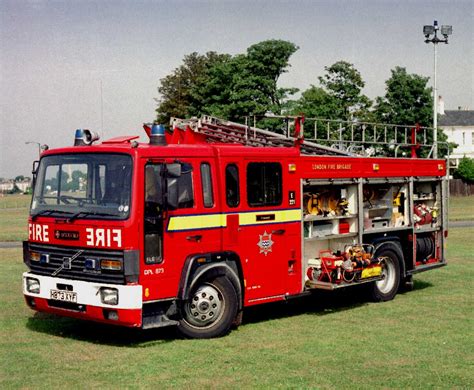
153 193
232 185
51 187
264 187
206 182
185 187
153 186
100 177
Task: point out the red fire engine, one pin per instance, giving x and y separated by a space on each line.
197 224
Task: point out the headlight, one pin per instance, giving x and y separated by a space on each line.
109 296
114 265
35 256
32 285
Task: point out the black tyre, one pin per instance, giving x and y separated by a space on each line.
211 309
386 289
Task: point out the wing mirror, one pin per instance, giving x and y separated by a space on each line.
34 172
173 172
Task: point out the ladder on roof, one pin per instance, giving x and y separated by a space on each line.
217 130
367 137
330 137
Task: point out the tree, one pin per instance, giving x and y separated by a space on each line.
408 101
343 82
268 60
465 169
246 84
14 190
228 86
175 89
316 102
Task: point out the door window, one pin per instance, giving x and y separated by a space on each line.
232 185
264 186
206 182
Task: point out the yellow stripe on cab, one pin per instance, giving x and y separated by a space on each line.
212 221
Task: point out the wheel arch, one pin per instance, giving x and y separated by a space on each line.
207 265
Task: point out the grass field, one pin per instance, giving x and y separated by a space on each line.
421 339
461 208
14 201
14 214
13 217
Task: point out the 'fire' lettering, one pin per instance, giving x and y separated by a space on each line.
103 237
37 232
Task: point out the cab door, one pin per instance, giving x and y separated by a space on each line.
195 226
270 230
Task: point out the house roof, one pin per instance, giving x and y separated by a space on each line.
457 118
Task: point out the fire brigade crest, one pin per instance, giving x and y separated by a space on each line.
265 244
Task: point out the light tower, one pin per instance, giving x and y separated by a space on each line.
429 31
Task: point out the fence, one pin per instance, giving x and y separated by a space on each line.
459 188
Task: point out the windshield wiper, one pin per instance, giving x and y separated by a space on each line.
83 214
48 212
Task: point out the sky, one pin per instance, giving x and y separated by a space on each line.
97 64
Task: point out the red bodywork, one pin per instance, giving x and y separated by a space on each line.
269 277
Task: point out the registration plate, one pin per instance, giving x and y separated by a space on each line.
65 296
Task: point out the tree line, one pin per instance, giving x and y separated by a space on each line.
237 86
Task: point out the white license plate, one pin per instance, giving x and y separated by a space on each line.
65 296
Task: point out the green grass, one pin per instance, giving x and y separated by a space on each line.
13 224
14 201
421 339
461 208
14 217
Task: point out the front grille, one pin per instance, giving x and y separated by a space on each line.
77 271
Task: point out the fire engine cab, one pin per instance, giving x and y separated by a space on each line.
199 223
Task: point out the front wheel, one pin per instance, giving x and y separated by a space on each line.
211 309
386 289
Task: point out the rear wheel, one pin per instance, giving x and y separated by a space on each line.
211 309
386 289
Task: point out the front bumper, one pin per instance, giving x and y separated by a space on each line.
88 306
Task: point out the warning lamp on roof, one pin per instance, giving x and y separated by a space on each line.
157 135
85 137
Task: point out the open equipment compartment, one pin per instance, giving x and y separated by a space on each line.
426 204
332 259
386 205
329 209
427 212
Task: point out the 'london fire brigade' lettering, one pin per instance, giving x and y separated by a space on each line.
103 237
323 167
37 232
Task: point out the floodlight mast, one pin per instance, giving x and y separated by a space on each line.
428 30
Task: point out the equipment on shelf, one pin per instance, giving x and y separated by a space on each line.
424 214
355 264
327 203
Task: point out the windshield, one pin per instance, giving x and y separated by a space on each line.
83 186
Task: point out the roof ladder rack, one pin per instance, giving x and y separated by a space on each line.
331 137
218 130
